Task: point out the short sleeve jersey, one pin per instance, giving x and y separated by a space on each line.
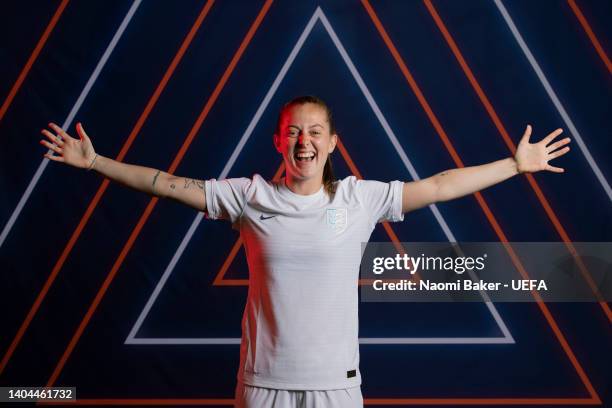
300 323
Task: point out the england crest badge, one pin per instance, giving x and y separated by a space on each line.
337 219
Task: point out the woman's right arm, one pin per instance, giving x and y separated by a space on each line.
81 154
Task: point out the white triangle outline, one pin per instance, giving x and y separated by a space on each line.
318 15
554 98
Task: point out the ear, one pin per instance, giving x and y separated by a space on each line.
277 143
332 143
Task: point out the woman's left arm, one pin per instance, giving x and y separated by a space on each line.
455 183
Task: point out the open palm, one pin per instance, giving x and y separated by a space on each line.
74 152
532 157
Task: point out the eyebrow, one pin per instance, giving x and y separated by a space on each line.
311 126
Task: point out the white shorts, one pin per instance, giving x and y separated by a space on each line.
248 396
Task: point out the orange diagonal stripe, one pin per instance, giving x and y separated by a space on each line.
481 201
145 216
552 216
102 189
26 68
587 28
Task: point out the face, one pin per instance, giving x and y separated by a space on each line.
305 141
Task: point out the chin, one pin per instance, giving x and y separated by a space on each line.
302 174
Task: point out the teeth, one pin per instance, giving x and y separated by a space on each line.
305 156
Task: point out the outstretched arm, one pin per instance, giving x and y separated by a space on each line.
455 183
80 153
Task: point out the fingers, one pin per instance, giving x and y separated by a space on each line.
60 131
554 169
558 153
557 144
551 136
53 138
81 131
53 147
526 135
54 158
57 144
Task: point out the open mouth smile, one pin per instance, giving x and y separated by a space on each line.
304 156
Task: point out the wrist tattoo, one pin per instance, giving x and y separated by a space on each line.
193 182
155 180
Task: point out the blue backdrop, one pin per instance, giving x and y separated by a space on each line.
127 298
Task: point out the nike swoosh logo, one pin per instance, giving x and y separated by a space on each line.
261 217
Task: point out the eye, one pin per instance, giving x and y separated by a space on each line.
315 133
293 133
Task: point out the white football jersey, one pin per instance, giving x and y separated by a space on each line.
300 323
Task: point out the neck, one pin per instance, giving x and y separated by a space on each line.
303 187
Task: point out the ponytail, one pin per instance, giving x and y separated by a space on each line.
328 177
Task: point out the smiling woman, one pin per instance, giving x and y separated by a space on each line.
306 135
302 236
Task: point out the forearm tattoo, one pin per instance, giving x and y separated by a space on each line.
154 181
193 182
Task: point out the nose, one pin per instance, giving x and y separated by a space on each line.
303 139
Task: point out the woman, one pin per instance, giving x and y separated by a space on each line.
302 237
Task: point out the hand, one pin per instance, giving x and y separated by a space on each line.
78 153
535 157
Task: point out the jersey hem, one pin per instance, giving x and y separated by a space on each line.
257 382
